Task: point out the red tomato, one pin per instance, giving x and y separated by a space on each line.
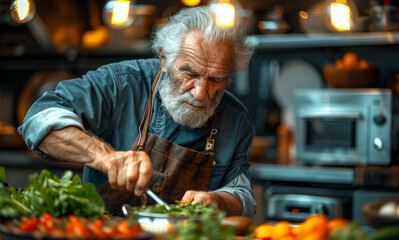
47 221
109 230
124 229
69 229
57 232
97 230
28 225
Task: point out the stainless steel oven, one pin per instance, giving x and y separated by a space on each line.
295 204
343 126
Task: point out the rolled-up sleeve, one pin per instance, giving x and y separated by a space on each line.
45 121
241 188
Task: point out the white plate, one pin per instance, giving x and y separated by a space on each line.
294 75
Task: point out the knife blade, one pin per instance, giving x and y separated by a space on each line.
157 199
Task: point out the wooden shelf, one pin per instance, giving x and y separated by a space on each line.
289 41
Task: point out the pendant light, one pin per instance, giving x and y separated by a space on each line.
22 11
191 3
340 15
226 12
118 13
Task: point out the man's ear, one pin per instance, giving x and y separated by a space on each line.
162 59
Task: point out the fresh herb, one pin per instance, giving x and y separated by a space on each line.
207 226
10 200
46 194
11 203
181 208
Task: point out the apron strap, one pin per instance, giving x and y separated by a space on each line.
145 122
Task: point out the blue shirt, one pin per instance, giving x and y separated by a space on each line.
109 103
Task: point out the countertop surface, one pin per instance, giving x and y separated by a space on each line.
361 176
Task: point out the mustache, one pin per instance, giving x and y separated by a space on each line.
187 97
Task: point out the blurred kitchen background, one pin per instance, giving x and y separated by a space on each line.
294 43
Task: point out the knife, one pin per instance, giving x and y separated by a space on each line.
157 199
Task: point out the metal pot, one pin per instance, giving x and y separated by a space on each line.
384 18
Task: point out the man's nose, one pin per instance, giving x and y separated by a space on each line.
200 89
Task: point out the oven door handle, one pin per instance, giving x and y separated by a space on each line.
349 115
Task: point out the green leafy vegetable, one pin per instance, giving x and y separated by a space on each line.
352 231
47 194
178 209
11 203
207 226
2 174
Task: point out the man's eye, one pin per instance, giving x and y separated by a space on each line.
192 74
217 80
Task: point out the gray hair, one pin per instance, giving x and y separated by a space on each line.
169 36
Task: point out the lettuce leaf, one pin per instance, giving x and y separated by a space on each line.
50 194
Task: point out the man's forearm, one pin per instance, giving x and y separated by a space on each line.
71 144
126 170
227 202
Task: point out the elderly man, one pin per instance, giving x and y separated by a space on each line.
167 124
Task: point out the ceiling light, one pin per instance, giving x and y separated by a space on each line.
225 12
191 3
22 11
118 13
340 15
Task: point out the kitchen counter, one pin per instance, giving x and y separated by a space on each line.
359 176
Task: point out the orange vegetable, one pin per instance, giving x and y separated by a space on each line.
314 227
264 231
335 224
281 229
350 60
339 64
363 64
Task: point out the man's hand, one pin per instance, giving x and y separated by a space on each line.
126 170
224 201
195 197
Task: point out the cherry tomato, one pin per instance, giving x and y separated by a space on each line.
28 226
78 227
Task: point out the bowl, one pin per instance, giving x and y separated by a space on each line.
371 214
158 224
351 78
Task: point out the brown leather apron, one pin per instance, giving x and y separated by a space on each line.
175 169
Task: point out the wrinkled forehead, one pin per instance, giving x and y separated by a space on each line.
196 47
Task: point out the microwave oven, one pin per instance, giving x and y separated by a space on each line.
343 126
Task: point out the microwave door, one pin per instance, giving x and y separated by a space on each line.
337 138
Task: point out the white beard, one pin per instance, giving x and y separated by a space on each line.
175 103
